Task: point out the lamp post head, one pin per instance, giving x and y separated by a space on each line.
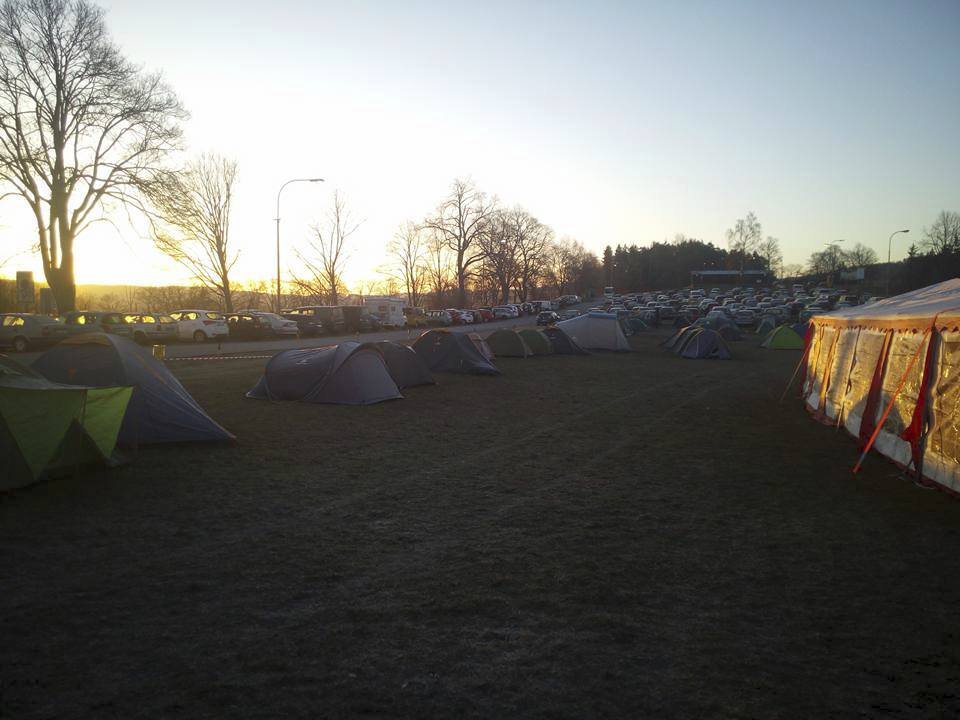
314 179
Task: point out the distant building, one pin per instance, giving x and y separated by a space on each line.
728 277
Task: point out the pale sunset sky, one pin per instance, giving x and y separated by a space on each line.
613 122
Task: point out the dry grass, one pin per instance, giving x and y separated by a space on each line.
613 536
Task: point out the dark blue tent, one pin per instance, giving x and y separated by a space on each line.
160 411
406 367
344 374
445 351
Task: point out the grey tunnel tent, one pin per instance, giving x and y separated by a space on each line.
344 374
160 410
445 351
562 343
596 331
404 365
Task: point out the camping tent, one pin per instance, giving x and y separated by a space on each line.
767 324
445 351
480 344
160 411
900 355
508 343
46 428
562 343
729 332
676 341
596 331
706 344
538 343
782 338
404 365
344 374
715 321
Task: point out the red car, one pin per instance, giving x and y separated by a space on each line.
486 315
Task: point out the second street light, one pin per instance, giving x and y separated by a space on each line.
889 245
295 180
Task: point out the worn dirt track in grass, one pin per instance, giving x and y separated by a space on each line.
609 536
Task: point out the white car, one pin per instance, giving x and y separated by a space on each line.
503 312
278 325
200 325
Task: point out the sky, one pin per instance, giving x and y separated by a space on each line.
614 123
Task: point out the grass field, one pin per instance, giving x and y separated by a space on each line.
609 536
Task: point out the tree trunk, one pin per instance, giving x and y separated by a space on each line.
228 296
63 287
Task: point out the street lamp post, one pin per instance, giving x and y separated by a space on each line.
311 180
889 245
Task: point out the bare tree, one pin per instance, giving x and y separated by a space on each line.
563 262
498 266
439 274
744 237
191 222
531 239
943 235
860 255
79 125
328 254
461 221
828 261
408 261
769 250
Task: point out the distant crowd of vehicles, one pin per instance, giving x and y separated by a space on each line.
745 306
28 331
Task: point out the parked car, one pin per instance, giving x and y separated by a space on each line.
80 321
279 326
547 318
439 318
308 324
329 317
26 331
152 328
460 317
744 318
486 314
357 319
505 312
200 325
247 326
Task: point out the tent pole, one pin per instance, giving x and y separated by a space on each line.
793 377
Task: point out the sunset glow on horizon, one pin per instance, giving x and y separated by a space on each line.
619 124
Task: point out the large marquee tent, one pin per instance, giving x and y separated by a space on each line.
888 372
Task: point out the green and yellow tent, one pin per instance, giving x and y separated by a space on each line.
783 338
538 343
508 343
47 428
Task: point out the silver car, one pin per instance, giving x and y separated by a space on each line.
152 328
